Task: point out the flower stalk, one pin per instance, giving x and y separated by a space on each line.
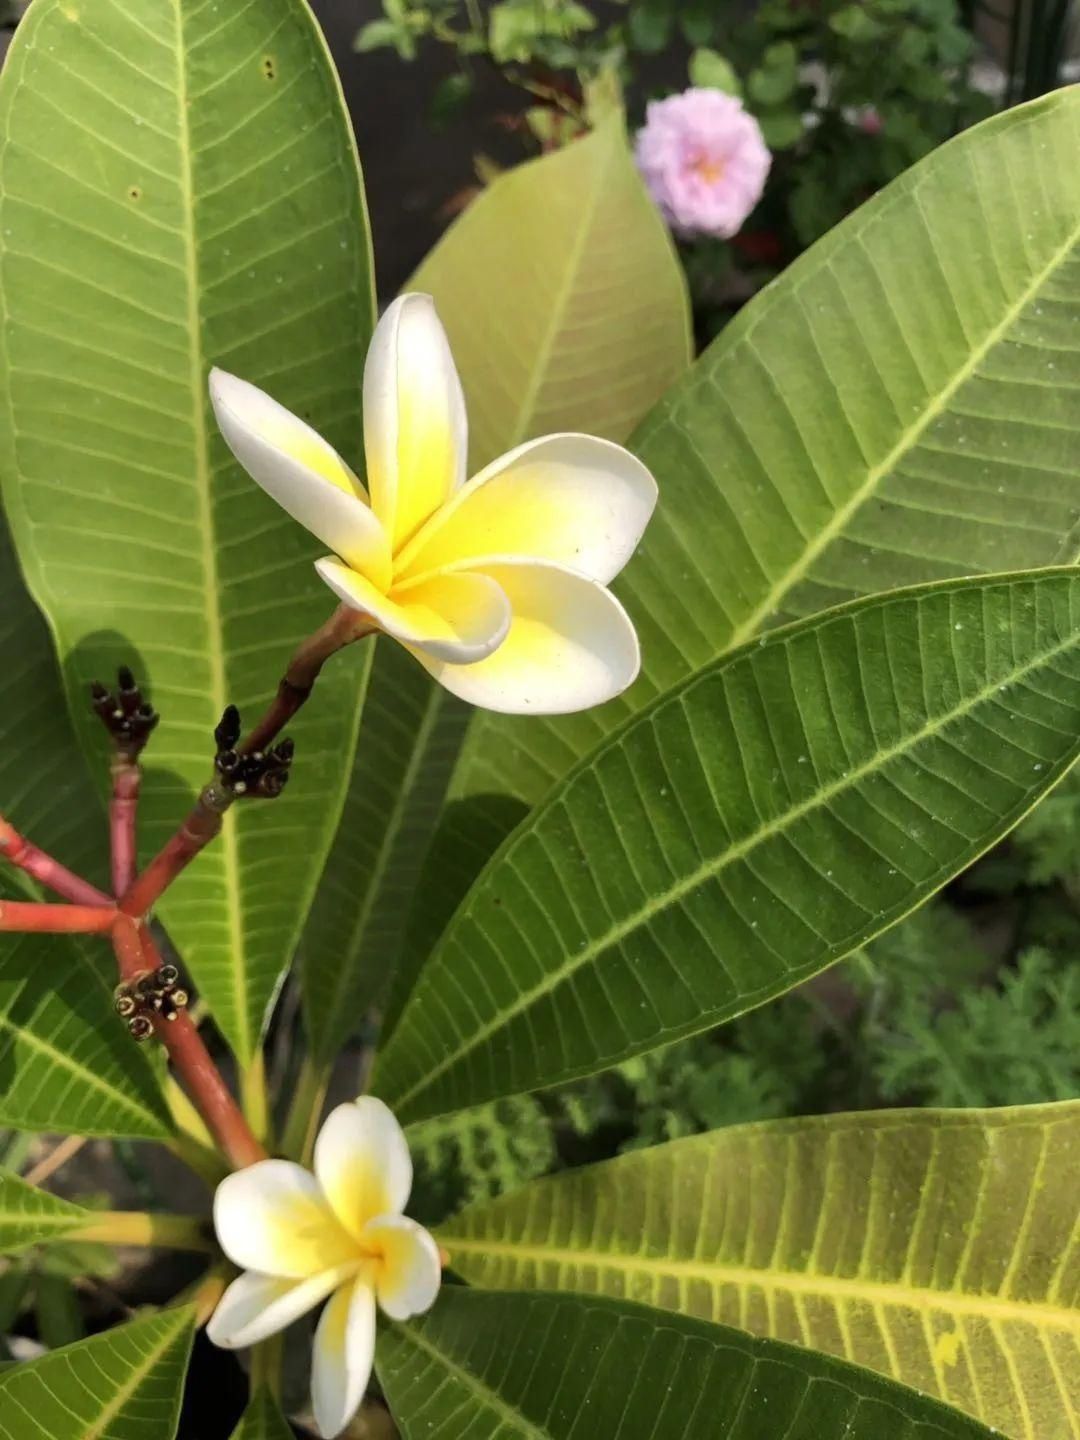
19 851
36 918
123 810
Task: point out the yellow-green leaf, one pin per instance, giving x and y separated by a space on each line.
28 1214
939 1247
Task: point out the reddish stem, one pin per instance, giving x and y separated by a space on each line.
123 810
17 850
202 824
136 952
33 918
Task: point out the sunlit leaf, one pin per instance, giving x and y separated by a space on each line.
124 1384
758 822
560 1367
939 1247
263 1420
902 405
28 1214
194 199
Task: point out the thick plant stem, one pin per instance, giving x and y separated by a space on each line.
39 919
17 850
202 825
344 626
136 952
305 1110
138 1227
123 808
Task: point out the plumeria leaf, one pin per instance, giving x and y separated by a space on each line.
65 1062
28 1214
560 269
412 732
552 1367
150 228
263 1420
126 1382
902 405
758 822
939 1247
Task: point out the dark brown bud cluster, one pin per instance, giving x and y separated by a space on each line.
128 718
153 992
259 773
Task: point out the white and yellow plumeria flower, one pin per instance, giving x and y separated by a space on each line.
497 586
301 1238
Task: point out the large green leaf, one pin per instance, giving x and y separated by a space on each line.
567 310
263 1420
123 1385
558 1367
758 822
412 731
193 199
940 1247
902 405
563 298
28 1214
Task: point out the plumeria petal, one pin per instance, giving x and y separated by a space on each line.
273 1217
458 617
304 474
410 1271
415 430
342 1356
362 1162
570 645
571 499
255 1306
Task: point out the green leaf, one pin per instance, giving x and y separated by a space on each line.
782 128
902 405
709 69
563 298
561 267
194 200
552 1367
66 1062
939 1247
758 822
124 1383
774 80
412 732
263 1420
28 1215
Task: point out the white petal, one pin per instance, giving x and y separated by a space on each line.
458 617
570 499
273 1217
362 1162
415 431
570 646
304 474
342 1357
409 1271
255 1306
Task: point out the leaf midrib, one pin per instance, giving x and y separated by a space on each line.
215 651
908 440
1041 1314
713 867
475 1384
97 1430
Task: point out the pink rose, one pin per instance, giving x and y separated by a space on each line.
704 161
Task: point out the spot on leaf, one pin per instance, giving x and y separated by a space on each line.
134 193
269 67
947 1348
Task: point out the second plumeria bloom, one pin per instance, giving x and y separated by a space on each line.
496 585
339 1233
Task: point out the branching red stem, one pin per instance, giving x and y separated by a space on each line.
18 851
136 952
33 918
199 827
123 811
